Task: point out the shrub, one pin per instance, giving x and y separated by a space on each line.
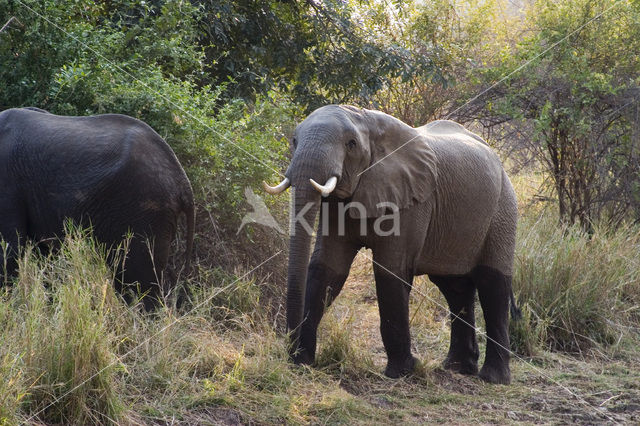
577 291
339 351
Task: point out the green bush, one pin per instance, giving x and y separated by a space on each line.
223 149
142 60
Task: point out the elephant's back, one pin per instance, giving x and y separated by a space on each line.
84 151
449 128
96 166
57 154
467 162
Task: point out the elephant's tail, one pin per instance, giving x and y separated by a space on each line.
516 313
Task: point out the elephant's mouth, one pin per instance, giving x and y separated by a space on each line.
342 192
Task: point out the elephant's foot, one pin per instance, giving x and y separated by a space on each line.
463 365
498 375
303 357
402 368
151 303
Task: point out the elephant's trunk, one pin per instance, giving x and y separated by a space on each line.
306 201
313 159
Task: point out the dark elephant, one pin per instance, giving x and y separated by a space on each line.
110 172
430 200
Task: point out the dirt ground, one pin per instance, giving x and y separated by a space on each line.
548 389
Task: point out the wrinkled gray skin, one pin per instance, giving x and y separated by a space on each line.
457 223
110 172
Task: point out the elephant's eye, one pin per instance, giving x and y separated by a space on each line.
351 144
294 142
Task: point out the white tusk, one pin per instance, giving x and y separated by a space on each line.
327 188
275 190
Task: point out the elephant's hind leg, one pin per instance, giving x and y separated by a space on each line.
144 266
463 347
13 230
494 289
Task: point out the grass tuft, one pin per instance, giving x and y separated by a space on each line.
60 337
339 351
578 292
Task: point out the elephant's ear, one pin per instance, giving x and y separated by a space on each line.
403 171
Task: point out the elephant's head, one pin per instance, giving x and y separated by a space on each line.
366 156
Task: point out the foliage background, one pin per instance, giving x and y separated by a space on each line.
556 83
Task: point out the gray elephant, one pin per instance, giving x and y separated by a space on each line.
451 213
110 172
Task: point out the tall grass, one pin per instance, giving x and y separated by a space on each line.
61 327
578 292
339 349
71 352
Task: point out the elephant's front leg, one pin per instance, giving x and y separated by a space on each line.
393 286
328 270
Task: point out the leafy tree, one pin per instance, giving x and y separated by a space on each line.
54 44
574 106
315 50
460 37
